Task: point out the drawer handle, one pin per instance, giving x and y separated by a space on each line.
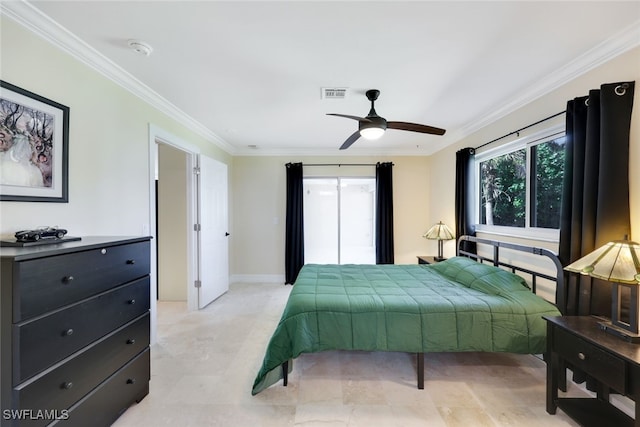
131 261
131 301
103 251
131 341
131 381
67 279
67 333
582 356
67 385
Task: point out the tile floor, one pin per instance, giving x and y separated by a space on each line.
204 364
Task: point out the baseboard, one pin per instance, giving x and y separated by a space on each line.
257 278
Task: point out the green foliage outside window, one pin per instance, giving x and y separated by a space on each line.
503 187
548 169
503 181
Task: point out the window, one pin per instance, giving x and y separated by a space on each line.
519 186
339 220
547 171
503 190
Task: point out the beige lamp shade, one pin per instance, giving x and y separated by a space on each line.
617 261
440 231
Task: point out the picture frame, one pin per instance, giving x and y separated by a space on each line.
34 147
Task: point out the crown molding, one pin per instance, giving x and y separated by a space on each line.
335 152
40 24
621 42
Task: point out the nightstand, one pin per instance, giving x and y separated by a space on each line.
425 259
613 362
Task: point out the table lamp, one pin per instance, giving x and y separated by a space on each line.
617 262
439 232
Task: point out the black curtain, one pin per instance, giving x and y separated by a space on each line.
384 213
595 198
294 238
464 197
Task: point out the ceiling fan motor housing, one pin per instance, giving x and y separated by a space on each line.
375 122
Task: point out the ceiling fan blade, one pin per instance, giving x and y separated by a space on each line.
360 119
414 127
353 138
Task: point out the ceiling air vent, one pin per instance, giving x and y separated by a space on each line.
334 92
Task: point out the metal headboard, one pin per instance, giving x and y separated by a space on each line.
497 245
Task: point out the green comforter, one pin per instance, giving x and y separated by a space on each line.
454 305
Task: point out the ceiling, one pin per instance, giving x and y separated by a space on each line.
248 75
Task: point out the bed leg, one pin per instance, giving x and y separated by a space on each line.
285 373
420 357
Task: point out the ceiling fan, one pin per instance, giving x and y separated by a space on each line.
373 126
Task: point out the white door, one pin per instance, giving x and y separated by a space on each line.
213 218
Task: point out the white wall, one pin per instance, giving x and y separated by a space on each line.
108 141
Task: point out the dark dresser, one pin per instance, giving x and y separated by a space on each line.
74 331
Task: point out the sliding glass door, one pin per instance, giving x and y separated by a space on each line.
339 221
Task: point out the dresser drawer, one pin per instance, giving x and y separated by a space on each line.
603 366
105 404
48 283
63 386
43 341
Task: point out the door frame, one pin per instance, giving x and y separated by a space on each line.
158 135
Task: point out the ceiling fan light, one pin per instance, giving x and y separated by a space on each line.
371 133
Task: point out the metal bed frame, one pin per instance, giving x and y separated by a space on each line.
495 260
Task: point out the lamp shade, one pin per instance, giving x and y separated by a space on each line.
371 132
440 231
617 261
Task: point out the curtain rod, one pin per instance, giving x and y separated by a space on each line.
519 130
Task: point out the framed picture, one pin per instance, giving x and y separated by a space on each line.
34 147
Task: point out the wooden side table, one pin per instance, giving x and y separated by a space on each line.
611 361
427 259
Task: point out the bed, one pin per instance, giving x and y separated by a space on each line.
461 304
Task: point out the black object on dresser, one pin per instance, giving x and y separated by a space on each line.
74 331
614 363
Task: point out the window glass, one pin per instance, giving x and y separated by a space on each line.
503 190
357 211
339 220
547 167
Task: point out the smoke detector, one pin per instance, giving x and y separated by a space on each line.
334 92
139 46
